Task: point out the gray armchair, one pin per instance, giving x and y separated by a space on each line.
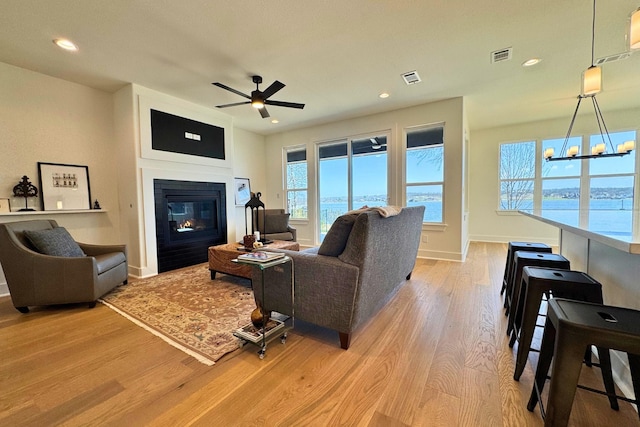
277 225
35 278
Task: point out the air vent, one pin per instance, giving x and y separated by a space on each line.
411 77
501 55
613 58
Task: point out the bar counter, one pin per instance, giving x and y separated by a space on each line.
614 261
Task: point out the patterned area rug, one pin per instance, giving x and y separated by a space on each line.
188 309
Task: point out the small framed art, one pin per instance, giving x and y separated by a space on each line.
64 187
242 191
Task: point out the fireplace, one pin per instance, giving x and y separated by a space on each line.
190 217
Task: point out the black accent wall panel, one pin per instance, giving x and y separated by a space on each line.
185 136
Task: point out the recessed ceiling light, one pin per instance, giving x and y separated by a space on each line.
383 95
530 62
66 44
274 121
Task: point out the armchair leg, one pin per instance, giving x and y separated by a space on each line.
126 282
409 275
24 310
345 340
92 304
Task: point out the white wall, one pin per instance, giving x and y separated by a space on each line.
485 222
44 119
141 165
446 242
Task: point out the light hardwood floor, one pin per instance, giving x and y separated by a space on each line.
436 355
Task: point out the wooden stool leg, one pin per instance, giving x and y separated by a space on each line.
567 363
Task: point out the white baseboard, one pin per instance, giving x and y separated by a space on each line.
4 290
507 239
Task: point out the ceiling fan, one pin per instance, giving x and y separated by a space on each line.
259 99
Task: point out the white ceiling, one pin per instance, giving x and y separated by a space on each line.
335 56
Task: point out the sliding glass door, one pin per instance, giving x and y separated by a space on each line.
352 173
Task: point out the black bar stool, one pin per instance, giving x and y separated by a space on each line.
572 326
520 260
519 246
537 282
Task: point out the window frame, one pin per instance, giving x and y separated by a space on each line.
287 190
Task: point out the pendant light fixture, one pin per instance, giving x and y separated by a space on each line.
592 85
634 30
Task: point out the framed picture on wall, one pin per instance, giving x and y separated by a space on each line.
242 191
64 187
5 206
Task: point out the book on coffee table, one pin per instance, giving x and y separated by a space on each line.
260 256
252 333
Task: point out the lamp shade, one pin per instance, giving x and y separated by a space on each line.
634 30
592 80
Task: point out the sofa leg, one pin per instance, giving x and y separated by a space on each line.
126 282
92 304
23 310
409 275
345 340
213 274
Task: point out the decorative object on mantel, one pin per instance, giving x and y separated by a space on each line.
591 85
96 205
5 206
25 189
64 187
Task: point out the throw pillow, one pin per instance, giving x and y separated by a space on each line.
277 223
336 239
56 241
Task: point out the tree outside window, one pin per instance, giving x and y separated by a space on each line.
517 174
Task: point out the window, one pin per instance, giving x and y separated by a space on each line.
296 182
611 187
517 174
425 170
557 189
352 173
561 184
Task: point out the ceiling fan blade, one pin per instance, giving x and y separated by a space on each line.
233 105
275 86
230 89
284 104
263 112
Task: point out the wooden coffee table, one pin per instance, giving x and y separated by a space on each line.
220 257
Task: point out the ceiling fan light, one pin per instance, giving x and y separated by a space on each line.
634 30
591 80
257 104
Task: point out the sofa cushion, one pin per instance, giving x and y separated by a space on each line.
56 241
336 239
276 223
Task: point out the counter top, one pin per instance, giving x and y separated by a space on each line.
627 243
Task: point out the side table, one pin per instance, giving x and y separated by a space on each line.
221 257
283 266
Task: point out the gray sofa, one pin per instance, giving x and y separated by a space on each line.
362 262
75 273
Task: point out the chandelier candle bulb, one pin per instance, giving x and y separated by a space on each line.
600 148
629 145
594 150
573 151
620 148
548 153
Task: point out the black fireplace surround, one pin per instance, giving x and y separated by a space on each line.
190 217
